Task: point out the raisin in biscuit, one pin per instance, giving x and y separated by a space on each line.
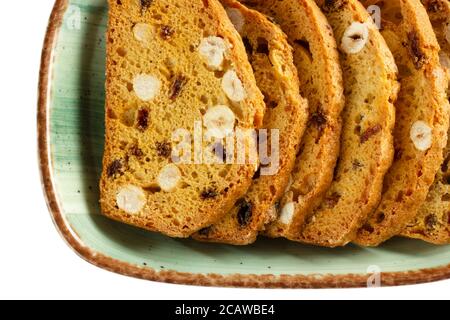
271 58
172 65
317 60
422 119
432 223
370 87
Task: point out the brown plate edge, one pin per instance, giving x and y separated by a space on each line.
123 268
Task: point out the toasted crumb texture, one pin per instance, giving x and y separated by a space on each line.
432 223
371 87
422 119
171 64
317 61
272 60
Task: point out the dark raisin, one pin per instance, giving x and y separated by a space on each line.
209 193
178 84
166 32
333 5
419 57
381 217
398 154
263 46
114 168
244 214
431 221
319 120
332 200
247 45
136 151
357 165
145 4
370 132
142 119
205 231
434 6
163 149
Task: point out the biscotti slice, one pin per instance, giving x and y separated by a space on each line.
432 223
317 60
284 123
178 78
370 87
422 119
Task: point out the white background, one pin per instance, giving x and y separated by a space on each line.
34 261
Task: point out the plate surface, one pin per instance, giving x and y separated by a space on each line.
70 121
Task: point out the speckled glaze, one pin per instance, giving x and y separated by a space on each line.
70 124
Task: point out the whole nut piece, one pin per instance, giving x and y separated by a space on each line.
131 199
287 213
213 49
421 135
236 18
169 177
233 87
219 121
146 86
355 38
142 32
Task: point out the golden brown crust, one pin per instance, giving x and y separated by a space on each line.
432 223
317 60
139 133
422 99
287 112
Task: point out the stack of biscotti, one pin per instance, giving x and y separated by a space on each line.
341 105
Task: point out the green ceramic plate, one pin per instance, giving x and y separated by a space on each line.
71 142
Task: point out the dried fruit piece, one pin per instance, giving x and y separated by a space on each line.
169 177
114 168
142 119
355 38
421 135
213 49
419 57
209 193
287 213
166 32
164 149
146 86
177 86
131 199
219 121
369 133
244 214
233 87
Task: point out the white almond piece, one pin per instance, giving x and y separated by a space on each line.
421 135
233 87
219 121
131 199
287 213
355 38
169 178
142 32
146 86
236 18
213 49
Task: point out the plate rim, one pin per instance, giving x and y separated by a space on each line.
171 276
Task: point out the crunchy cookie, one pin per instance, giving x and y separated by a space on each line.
432 223
370 87
287 112
172 65
317 60
422 119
